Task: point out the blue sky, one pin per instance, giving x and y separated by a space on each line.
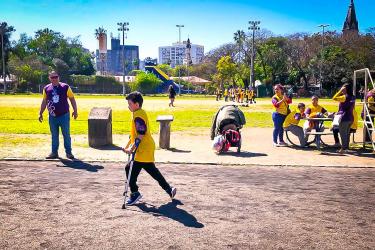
153 22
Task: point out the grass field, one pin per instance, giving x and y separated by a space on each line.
19 125
19 113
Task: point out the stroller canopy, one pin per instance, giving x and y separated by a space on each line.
229 114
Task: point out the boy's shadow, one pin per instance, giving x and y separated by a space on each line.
78 164
170 210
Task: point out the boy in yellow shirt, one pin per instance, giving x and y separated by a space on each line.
291 123
142 143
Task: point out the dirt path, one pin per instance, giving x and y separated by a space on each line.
65 205
257 150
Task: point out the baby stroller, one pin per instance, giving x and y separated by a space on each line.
225 129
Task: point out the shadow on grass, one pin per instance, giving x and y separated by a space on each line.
78 164
170 210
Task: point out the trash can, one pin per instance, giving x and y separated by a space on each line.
164 130
100 127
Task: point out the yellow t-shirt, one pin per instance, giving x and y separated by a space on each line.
146 149
315 109
355 121
283 107
371 104
290 119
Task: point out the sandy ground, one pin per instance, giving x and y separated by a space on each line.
77 205
257 150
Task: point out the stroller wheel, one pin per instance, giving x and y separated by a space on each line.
239 146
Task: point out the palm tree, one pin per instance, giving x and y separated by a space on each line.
99 33
239 38
46 31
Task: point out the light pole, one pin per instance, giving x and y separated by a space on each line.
2 32
321 58
124 28
179 26
179 75
253 26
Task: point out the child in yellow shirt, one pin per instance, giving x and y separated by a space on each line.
142 143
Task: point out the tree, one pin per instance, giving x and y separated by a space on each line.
21 47
6 30
239 38
146 83
30 72
297 50
226 71
166 69
273 57
50 46
99 32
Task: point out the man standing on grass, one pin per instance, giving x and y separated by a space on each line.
55 98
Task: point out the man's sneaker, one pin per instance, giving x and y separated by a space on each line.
134 197
70 156
52 156
276 144
282 143
173 192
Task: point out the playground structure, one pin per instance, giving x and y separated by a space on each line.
368 125
163 77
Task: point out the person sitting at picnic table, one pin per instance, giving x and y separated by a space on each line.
291 123
281 102
312 111
346 105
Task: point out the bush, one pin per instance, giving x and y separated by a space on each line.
146 83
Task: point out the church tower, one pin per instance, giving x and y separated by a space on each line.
188 52
350 28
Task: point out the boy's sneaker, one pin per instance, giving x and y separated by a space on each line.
134 197
52 156
173 192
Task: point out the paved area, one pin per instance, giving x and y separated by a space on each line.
77 205
257 150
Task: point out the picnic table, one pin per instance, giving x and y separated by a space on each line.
319 129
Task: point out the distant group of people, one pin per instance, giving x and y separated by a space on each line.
286 119
239 95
